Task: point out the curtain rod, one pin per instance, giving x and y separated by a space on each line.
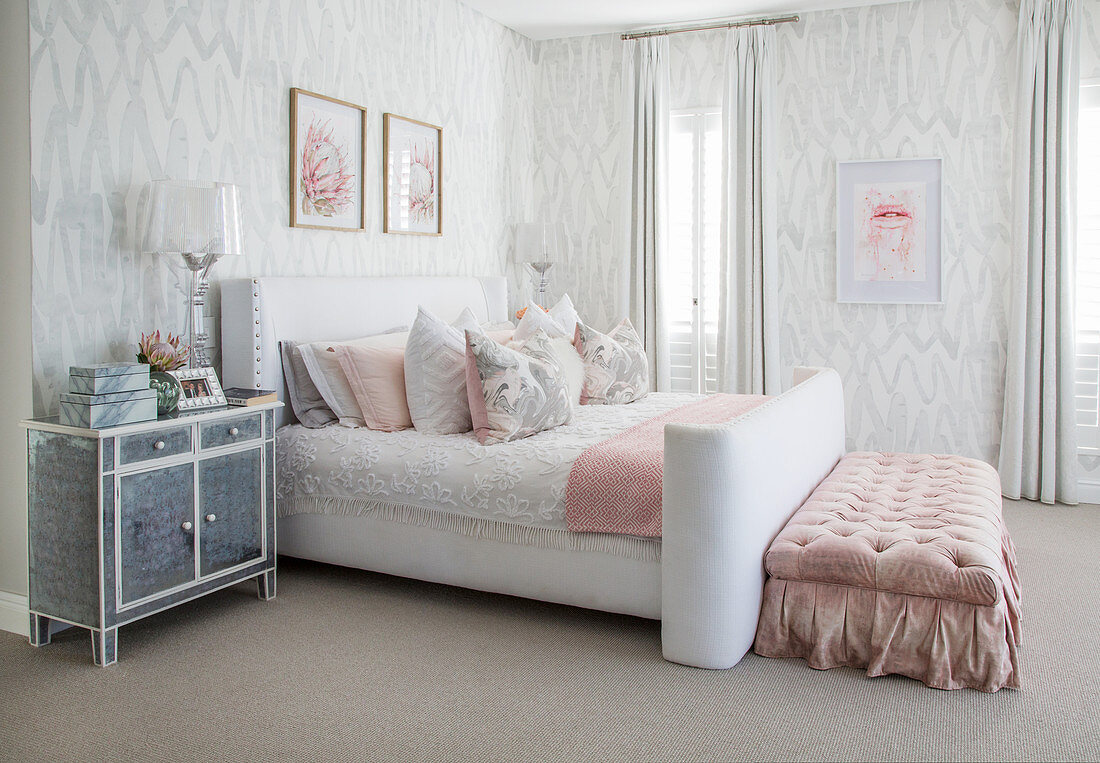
704 27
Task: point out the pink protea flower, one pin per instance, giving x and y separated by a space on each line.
326 182
422 184
162 355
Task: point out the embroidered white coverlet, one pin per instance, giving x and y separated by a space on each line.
341 470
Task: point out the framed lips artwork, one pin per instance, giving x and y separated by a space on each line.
889 228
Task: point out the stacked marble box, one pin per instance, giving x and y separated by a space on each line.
108 394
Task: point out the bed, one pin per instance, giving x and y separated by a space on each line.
394 503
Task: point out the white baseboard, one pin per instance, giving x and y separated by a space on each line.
13 613
1088 491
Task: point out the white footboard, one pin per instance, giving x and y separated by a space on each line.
728 491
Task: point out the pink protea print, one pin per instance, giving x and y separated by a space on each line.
327 184
422 184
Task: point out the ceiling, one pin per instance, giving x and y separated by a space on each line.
548 19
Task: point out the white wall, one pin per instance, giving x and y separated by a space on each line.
929 78
119 98
202 90
15 302
579 180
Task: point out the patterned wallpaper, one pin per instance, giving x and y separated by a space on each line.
1090 39
200 89
932 78
580 179
929 78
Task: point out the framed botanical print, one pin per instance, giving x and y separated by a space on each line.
888 231
327 145
412 176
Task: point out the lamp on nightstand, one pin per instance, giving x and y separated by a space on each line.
201 222
538 247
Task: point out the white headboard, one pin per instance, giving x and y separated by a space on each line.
259 312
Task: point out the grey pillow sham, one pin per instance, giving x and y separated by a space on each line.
305 399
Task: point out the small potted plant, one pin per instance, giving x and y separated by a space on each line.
163 355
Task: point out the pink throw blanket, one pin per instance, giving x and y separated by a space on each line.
615 485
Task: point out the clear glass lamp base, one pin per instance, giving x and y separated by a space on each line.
540 281
199 264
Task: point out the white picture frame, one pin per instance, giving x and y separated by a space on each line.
889 231
201 388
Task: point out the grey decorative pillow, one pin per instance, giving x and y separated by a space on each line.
558 351
305 399
435 373
513 394
616 369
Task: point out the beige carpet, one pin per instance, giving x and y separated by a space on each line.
348 665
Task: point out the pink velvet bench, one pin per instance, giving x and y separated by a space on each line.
901 564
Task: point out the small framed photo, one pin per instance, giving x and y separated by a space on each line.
200 388
412 176
888 231
327 146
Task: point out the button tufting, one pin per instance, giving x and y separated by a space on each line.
947 511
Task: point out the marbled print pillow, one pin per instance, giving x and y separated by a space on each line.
616 369
514 394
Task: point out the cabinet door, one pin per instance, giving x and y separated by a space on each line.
230 510
157 512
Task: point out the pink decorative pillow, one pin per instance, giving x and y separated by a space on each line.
376 376
616 369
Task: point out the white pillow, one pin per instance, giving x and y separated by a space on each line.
572 365
323 365
435 373
565 315
535 318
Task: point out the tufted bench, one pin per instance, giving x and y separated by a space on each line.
902 564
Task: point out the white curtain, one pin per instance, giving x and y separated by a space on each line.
1038 433
748 315
645 97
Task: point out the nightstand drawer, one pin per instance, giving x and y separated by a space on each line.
150 445
230 431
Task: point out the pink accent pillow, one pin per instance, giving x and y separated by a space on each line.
479 414
376 376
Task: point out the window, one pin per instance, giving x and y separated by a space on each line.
1088 270
691 299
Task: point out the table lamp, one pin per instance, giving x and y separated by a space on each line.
538 247
200 221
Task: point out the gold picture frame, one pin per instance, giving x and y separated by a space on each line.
333 141
412 176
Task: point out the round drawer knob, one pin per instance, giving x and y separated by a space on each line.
211 517
187 526
158 445
233 432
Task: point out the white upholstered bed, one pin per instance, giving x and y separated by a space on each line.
728 489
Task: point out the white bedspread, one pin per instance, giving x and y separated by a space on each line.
341 470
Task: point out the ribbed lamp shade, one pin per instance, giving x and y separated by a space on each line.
539 242
192 216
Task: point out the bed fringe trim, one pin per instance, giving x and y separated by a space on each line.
628 546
